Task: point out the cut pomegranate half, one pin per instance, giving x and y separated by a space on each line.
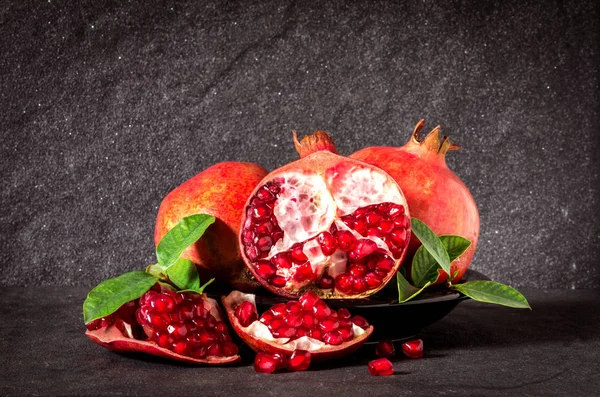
306 324
325 223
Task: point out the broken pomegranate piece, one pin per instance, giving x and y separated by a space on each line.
307 324
326 223
183 326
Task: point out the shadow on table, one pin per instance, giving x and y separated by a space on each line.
562 316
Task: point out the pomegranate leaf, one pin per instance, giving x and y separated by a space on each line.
405 290
492 292
424 266
181 236
432 243
113 293
184 275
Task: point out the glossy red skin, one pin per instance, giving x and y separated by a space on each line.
111 338
321 162
434 194
221 190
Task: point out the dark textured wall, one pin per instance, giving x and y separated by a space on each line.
107 106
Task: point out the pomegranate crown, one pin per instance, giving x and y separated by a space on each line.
319 140
433 142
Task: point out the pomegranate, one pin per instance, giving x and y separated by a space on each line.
385 348
221 190
413 348
307 324
183 326
326 223
381 367
434 193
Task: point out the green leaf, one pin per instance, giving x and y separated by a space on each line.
184 274
111 294
432 243
493 292
181 236
425 267
405 290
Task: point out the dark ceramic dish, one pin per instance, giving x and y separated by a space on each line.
394 320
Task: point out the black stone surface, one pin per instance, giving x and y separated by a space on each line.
107 106
477 350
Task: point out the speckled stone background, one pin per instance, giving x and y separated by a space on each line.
107 106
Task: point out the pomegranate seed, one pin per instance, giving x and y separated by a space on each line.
343 283
346 240
346 333
401 221
265 195
266 317
246 313
359 286
321 310
325 282
304 272
214 350
308 320
261 212
252 253
360 225
284 332
381 367
282 261
293 307
360 321
372 280
164 340
299 360
180 347
385 226
398 236
277 236
344 313
293 320
278 281
358 270
348 220
363 248
413 348
308 300
329 324
279 309
297 254
395 210
276 322
248 236
327 242
333 338
264 244
385 348
264 269
372 218
266 363
229 349
385 263
200 352
265 228
162 303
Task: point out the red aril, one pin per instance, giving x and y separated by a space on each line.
268 363
220 190
413 348
299 360
385 348
307 324
434 193
381 367
326 223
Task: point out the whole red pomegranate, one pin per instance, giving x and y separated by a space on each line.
434 193
327 223
221 190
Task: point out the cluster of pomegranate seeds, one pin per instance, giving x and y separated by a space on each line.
267 363
182 322
381 367
123 319
350 247
413 348
385 348
310 316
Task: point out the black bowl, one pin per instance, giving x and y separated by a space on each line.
393 320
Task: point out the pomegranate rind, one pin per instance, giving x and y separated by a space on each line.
220 190
319 352
322 163
112 339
